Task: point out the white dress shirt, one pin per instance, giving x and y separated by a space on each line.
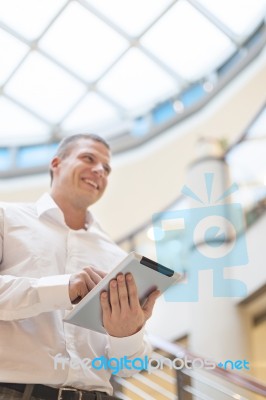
38 253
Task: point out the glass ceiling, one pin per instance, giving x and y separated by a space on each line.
75 65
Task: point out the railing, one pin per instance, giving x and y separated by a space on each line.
245 382
187 383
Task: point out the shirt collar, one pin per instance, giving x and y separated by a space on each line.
46 205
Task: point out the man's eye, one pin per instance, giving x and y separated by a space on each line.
107 169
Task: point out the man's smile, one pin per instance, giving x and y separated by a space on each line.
91 183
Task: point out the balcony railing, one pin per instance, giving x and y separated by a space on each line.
187 383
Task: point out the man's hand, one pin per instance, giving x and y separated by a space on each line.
81 283
122 313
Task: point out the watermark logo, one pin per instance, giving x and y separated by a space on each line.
149 364
213 238
137 364
231 365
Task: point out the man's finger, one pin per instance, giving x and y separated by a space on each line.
93 275
102 274
114 298
132 291
122 293
105 305
149 303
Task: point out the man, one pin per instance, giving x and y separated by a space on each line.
52 253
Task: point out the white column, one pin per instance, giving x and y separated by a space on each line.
217 330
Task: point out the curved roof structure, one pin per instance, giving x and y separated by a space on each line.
111 66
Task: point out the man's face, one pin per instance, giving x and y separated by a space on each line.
83 174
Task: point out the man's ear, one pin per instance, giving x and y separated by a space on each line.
55 163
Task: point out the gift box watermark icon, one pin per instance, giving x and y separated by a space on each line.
212 237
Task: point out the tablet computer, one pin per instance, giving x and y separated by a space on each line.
148 275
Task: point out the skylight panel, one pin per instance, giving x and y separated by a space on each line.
188 42
35 156
83 42
92 113
5 159
11 53
44 87
137 82
132 16
29 17
17 126
241 16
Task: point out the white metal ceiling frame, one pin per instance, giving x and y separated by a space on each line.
55 130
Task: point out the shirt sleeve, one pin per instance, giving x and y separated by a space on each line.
27 297
22 297
126 349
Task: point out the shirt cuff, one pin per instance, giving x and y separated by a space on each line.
54 292
126 346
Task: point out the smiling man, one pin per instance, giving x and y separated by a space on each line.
52 253
79 173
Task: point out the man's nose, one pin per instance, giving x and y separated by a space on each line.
99 169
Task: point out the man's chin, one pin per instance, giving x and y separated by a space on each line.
90 200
